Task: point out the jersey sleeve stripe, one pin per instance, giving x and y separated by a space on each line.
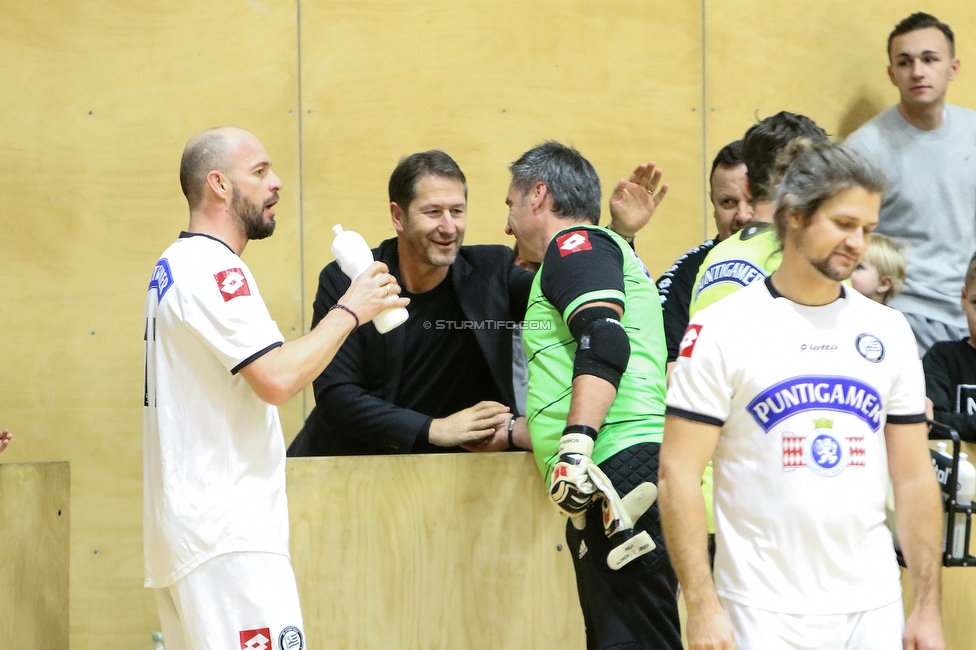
257 355
608 295
694 417
916 418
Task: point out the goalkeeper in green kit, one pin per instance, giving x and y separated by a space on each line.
594 339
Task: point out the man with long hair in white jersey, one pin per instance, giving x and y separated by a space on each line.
806 407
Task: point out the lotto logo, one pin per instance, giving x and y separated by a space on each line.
689 340
256 639
232 284
573 242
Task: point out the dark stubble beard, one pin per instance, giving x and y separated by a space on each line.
250 215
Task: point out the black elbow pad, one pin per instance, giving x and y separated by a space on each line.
602 344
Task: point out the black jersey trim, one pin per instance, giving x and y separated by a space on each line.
236 369
916 418
694 417
186 235
776 294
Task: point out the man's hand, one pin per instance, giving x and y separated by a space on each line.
471 426
373 291
499 441
570 487
5 437
923 631
709 628
633 201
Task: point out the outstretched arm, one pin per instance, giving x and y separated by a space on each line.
282 373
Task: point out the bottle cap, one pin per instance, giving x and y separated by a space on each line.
157 637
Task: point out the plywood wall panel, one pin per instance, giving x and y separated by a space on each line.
99 99
486 81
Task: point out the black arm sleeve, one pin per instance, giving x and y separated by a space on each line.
595 264
948 365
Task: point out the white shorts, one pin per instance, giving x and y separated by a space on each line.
760 629
237 601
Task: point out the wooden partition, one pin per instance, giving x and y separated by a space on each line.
434 551
35 515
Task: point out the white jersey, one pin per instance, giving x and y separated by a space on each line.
213 451
802 395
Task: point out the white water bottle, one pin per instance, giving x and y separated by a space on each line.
965 491
353 254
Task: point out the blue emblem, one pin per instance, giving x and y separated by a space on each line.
825 451
162 278
740 272
807 393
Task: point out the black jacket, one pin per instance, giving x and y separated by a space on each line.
355 411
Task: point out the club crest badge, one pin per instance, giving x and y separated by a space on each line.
291 639
870 347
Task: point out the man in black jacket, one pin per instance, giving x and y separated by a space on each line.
442 381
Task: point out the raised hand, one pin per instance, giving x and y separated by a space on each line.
633 201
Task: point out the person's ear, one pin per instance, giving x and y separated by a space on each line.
397 216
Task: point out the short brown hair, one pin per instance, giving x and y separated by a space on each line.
921 20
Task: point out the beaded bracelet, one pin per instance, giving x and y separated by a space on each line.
347 310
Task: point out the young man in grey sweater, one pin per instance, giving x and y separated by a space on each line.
927 148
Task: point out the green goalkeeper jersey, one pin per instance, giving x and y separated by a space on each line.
592 272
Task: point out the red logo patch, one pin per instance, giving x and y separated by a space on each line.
232 284
573 242
689 340
256 639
